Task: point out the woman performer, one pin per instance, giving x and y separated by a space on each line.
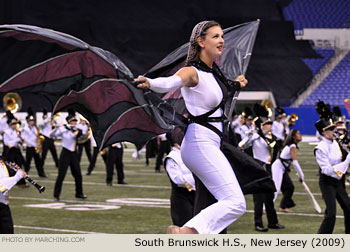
280 170
203 89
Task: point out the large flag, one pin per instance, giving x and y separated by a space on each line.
239 43
118 111
57 71
41 64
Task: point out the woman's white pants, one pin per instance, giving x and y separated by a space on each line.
277 170
200 151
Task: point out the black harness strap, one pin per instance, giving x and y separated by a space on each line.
286 163
204 119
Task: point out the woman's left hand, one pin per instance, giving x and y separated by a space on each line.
242 80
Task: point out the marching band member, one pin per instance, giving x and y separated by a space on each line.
333 161
236 127
3 127
339 121
281 169
163 148
115 157
94 156
6 183
279 130
48 144
247 128
69 156
262 142
284 120
182 183
248 125
30 135
151 149
3 122
86 144
13 140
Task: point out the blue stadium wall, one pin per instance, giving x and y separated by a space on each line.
307 118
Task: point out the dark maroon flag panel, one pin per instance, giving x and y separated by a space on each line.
41 65
117 111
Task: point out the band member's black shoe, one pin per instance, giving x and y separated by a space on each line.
122 183
88 173
81 196
276 226
261 229
56 198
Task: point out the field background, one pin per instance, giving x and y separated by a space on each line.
142 206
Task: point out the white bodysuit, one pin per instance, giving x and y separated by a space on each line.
200 151
278 168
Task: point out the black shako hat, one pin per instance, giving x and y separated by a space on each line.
11 119
337 115
71 116
326 121
323 125
280 112
30 116
262 115
248 113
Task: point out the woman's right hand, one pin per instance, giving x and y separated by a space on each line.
144 83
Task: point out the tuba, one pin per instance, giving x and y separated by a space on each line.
291 120
12 102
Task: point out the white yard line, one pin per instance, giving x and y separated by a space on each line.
155 205
165 205
104 184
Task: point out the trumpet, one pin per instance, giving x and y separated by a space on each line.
29 179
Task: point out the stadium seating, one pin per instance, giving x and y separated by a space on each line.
316 64
335 88
318 13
